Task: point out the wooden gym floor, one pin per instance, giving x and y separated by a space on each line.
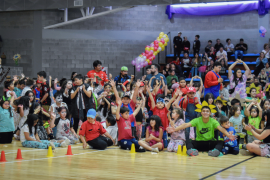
114 163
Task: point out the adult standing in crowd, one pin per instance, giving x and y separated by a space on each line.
238 80
196 45
177 44
123 77
186 45
213 81
266 50
240 48
260 63
97 71
208 46
154 72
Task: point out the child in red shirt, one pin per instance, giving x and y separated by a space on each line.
125 137
182 86
161 110
93 131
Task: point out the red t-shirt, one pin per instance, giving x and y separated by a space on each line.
211 80
190 101
91 131
100 74
176 62
162 113
160 91
184 90
124 127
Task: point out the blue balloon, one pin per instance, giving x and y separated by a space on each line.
260 31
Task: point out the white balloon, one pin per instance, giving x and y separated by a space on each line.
159 48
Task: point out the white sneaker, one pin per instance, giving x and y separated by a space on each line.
52 144
16 137
155 150
67 141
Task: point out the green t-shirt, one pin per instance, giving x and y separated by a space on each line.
205 131
254 122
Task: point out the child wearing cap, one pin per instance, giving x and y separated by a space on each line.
189 105
93 131
161 110
37 89
182 86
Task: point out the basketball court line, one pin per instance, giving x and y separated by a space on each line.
52 157
227 168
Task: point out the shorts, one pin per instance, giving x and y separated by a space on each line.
251 138
264 149
126 143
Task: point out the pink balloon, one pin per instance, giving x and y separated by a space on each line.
154 57
143 54
150 63
146 51
151 53
155 48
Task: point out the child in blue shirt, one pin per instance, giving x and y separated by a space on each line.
6 119
230 147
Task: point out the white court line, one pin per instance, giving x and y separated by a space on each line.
51 157
15 151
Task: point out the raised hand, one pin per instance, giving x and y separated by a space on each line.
55 81
112 83
132 76
138 83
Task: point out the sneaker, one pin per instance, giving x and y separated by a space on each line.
214 153
140 149
67 141
52 145
16 137
63 144
245 152
155 150
193 152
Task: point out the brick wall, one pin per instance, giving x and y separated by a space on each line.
61 57
22 47
17 20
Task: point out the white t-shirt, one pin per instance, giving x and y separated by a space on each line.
113 131
220 53
63 128
8 94
27 88
24 129
78 97
267 54
186 61
54 106
228 47
23 119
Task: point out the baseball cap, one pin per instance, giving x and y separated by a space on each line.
39 82
191 89
161 100
126 95
179 32
124 68
91 113
142 84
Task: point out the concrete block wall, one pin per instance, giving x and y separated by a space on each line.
17 20
13 71
61 57
22 47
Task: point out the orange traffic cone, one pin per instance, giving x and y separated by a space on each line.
3 157
69 152
19 154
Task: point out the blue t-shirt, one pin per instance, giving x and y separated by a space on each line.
17 91
37 93
6 121
227 141
149 76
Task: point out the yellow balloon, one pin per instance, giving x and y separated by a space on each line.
160 44
160 36
155 53
166 39
147 48
158 51
147 60
165 44
151 48
141 55
162 49
162 33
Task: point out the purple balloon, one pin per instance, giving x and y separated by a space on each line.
133 62
138 66
145 63
152 51
138 69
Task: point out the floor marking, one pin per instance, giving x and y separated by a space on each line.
227 168
53 157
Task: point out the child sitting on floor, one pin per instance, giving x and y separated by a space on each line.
112 128
230 147
236 121
29 137
254 114
178 137
64 126
154 134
